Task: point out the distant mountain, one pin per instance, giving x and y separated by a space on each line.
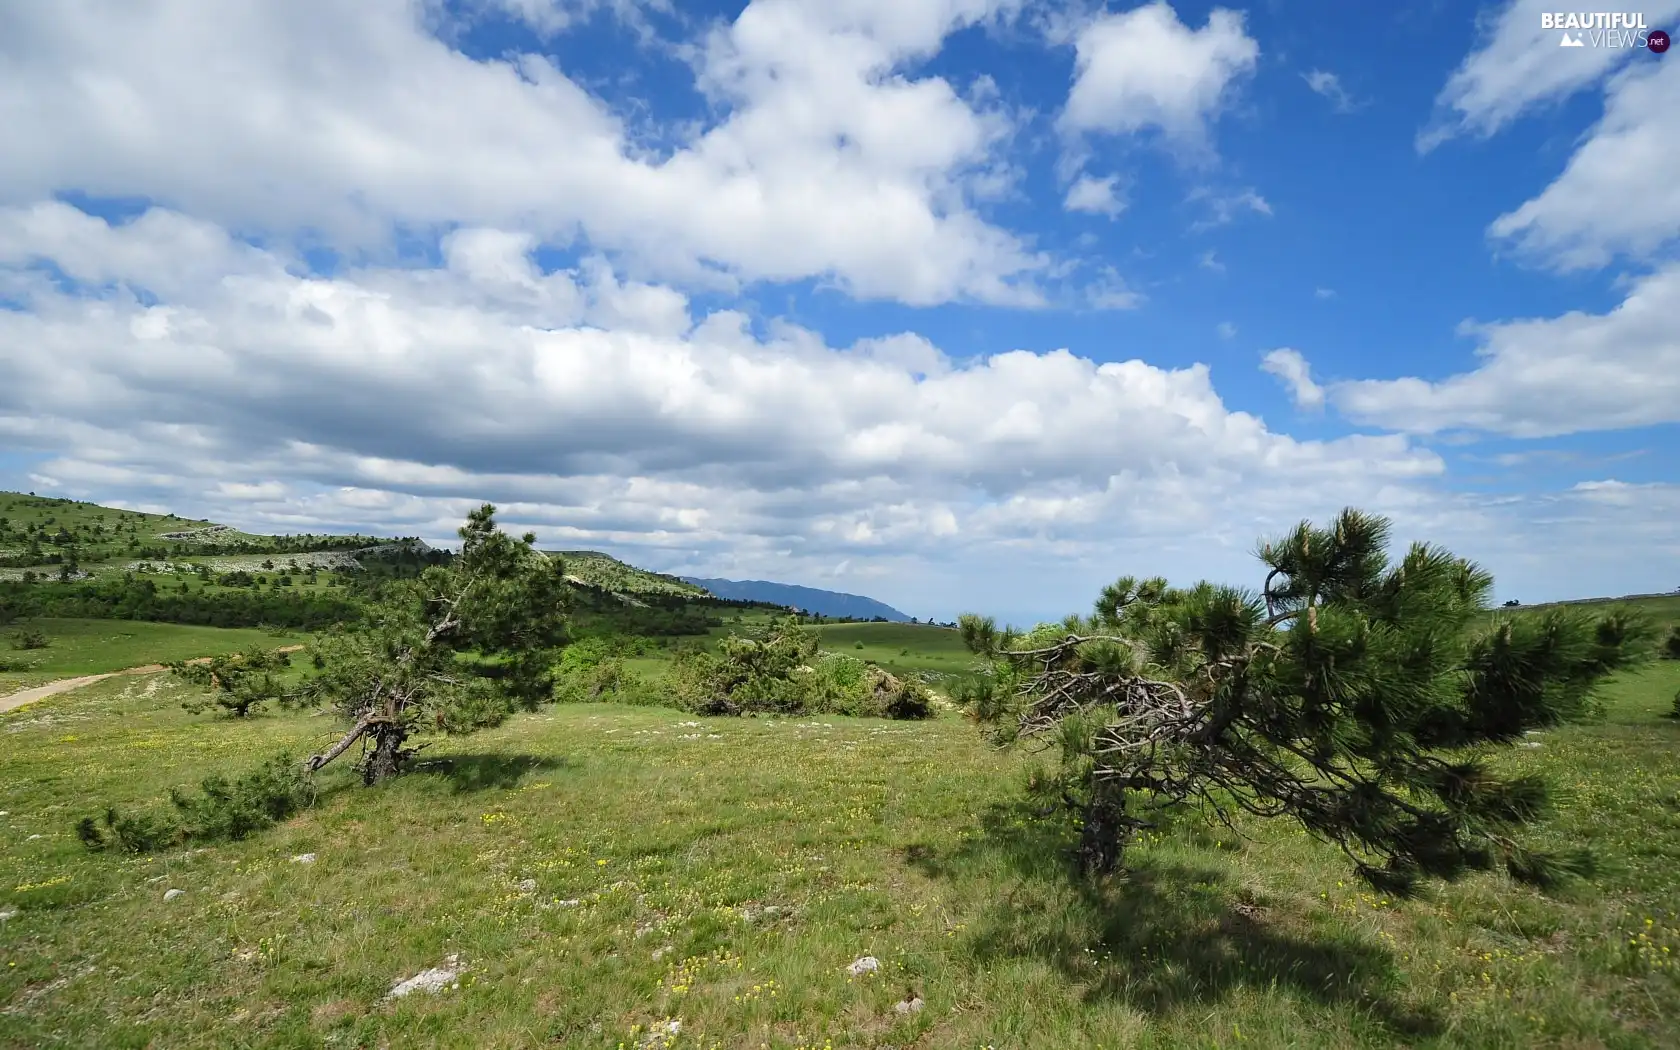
825 603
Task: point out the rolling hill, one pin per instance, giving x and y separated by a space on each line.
609 574
811 599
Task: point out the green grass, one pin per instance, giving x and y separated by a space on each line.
937 649
83 647
104 539
899 840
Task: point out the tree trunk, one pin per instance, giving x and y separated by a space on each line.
388 754
1102 838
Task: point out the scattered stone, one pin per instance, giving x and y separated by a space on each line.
32 838
909 1006
434 980
527 885
1530 744
863 965
658 953
570 903
661 1033
8 913
170 895
768 913
304 858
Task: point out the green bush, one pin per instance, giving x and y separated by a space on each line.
237 683
1671 644
222 810
593 670
29 639
783 672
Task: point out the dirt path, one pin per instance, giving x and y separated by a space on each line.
64 685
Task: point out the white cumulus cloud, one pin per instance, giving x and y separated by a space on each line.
1144 68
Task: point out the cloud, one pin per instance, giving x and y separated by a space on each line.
1110 291
1226 330
1330 86
1618 195
825 159
1144 69
1324 293
1547 376
1097 196
1519 67
1224 207
550 18
1209 261
1289 366
602 411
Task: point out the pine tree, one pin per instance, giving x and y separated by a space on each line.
457 649
1359 697
237 682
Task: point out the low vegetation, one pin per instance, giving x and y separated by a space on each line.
1355 696
643 872
783 671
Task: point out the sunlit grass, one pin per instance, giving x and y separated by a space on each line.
602 872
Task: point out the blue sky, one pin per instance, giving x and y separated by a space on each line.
962 304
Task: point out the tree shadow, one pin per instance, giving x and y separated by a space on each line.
1162 936
483 772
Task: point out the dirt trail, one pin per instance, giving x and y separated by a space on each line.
64 685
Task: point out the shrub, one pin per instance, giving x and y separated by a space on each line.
1671 644
783 672
237 683
221 810
30 639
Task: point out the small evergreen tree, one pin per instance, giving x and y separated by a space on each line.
459 648
237 683
1354 695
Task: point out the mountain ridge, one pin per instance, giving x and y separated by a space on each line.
810 599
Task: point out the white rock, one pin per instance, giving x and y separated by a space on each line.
32 838
863 965
434 980
170 895
8 913
661 1032
527 885
658 953
572 903
1529 743
304 858
909 1006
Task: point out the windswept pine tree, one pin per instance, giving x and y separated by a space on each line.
1358 696
458 649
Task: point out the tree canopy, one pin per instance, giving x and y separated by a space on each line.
459 648
1357 695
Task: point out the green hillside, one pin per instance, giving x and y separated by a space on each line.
48 538
610 574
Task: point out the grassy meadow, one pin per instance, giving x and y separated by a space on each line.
83 647
626 877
